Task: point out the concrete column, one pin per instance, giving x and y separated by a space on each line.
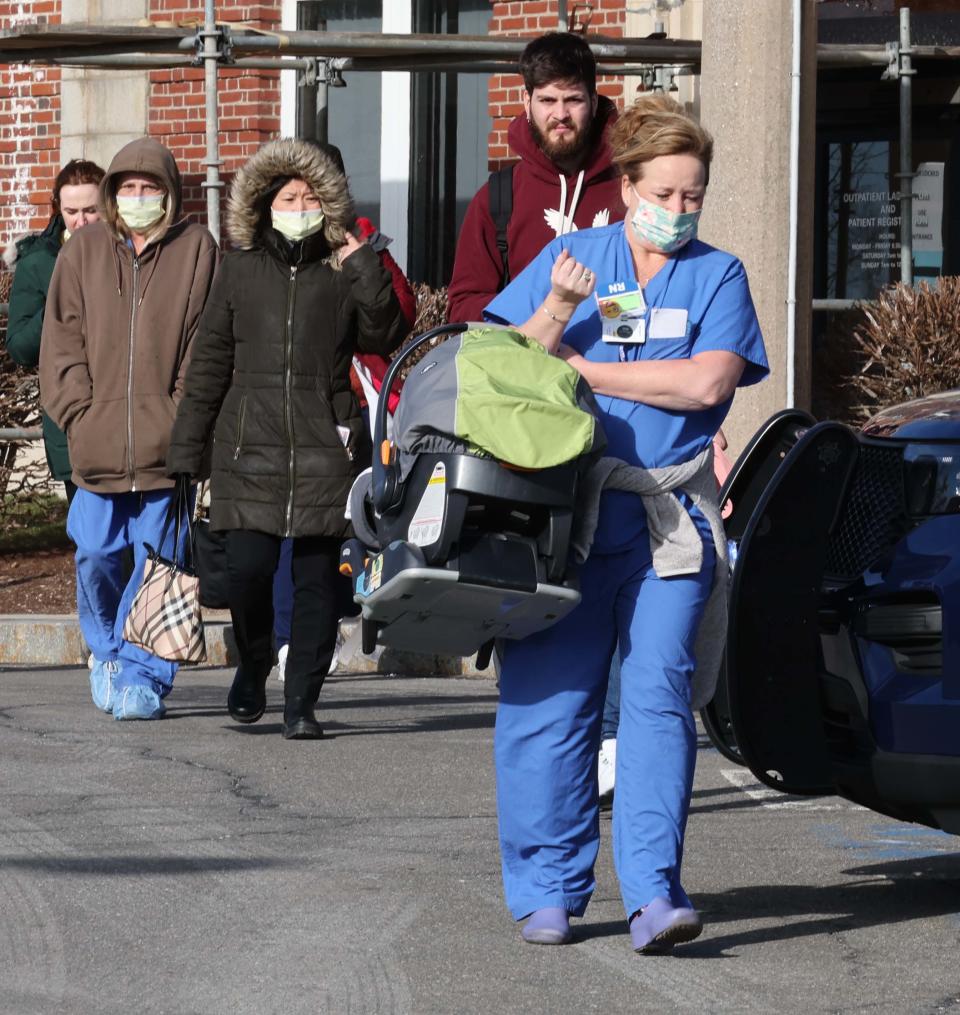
745 104
101 110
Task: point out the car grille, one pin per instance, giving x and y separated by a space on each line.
874 516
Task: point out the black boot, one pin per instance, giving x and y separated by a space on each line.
247 699
299 722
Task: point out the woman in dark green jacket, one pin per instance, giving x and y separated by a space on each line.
33 257
270 380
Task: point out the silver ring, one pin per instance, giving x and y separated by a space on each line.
587 274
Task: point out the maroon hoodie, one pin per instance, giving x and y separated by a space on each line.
544 201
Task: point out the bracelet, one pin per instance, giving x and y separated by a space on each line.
553 317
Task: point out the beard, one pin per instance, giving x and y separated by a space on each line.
573 145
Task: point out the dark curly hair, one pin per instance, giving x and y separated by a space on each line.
558 56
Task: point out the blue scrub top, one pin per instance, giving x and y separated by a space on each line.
711 286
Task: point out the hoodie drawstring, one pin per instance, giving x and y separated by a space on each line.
566 219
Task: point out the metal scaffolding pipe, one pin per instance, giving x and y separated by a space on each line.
211 56
437 65
157 61
16 434
905 73
352 43
48 54
838 306
308 91
40 44
843 55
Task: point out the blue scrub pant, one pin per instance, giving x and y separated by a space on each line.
548 728
283 596
611 706
103 526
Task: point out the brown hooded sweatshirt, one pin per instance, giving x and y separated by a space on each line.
118 329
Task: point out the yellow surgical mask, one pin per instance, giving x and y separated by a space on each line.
140 213
297 225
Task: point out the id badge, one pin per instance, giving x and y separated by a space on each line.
622 313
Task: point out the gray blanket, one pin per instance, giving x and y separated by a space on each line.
674 540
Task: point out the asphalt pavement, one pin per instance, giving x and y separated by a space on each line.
196 866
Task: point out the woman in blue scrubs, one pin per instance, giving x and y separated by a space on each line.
663 328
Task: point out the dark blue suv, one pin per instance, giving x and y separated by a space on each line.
842 670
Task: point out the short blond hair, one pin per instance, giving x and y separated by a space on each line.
657 125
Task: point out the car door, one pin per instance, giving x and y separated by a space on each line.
773 703
748 478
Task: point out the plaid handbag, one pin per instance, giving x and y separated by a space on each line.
165 617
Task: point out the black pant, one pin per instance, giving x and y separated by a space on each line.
251 562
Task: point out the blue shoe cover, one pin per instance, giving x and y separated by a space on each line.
549 926
137 702
660 925
102 678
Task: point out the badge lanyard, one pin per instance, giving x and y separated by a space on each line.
670 267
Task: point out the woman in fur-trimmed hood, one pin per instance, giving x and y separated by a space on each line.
257 182
269 379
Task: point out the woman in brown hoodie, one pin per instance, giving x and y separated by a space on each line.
121 314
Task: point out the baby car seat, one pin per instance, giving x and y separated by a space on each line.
463 523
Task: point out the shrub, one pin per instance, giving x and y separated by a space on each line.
19 408
907 344
32 521
431 313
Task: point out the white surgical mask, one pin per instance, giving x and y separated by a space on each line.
139 213
297 225
664 229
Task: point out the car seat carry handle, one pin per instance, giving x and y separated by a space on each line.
385 480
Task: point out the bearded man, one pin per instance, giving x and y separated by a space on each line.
563 182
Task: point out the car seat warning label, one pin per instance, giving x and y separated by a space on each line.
427 520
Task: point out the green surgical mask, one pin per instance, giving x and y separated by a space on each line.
139 213
297 225
662 228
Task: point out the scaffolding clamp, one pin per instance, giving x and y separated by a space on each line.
334 72
323 71
898 62
224 45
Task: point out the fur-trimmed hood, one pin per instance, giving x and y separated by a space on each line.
21 245
11 251
247 211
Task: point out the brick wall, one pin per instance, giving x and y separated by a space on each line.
29 129
534 17
30 112
249 101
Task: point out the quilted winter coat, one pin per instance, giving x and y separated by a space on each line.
34 258
269 375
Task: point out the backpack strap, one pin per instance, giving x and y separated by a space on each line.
500 193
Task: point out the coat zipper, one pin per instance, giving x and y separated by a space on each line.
243 409
287 395
133 320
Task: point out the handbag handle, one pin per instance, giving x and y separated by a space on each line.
198 503
178 511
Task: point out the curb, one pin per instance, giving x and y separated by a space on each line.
36 639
